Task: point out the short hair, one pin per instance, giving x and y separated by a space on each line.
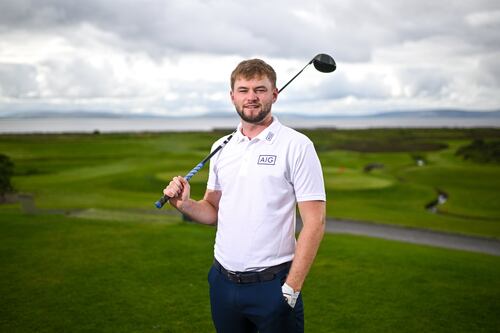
251 68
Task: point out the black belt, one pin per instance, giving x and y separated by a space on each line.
252 277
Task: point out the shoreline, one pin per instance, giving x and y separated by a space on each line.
208 124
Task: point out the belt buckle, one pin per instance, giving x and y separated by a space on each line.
238 278
234 276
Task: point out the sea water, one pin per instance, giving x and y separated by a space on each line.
115 125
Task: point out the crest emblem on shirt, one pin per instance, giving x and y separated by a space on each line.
267 159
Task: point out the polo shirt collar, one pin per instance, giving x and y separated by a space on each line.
267 135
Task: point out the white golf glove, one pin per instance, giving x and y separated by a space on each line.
290 295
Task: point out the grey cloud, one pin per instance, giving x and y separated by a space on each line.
371 87
158 26
366 25
77 78
489 69
207 95
419 82
340 86
18 81
350 30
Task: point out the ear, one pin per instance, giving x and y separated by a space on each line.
275 94
232 95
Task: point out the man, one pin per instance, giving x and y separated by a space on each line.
254 185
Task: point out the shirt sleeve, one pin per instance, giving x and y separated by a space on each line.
307 175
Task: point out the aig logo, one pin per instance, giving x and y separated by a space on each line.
267 159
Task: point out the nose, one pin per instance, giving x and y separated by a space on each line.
252 96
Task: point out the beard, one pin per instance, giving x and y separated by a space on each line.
257 118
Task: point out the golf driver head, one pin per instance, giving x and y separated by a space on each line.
324 63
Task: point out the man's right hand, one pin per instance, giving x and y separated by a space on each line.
179 191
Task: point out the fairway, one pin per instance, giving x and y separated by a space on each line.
352 179
129 171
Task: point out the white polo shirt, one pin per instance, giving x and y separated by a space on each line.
261 181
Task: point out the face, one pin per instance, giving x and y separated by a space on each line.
253 99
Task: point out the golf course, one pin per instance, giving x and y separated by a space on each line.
83 249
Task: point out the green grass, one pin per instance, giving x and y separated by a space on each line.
98 257
62 274
103 273
81 172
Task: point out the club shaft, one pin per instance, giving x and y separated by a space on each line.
293 78
163 200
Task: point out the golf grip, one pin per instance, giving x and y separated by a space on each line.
163 200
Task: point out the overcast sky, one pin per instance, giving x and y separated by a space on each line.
175 57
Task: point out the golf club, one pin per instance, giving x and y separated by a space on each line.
322 62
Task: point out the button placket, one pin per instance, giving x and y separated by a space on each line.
245 158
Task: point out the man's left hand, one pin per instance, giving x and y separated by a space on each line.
290 295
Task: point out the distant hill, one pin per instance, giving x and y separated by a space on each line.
232 114
407 114
440 114
61 114
102 114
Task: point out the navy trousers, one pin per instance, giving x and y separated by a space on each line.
253 307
